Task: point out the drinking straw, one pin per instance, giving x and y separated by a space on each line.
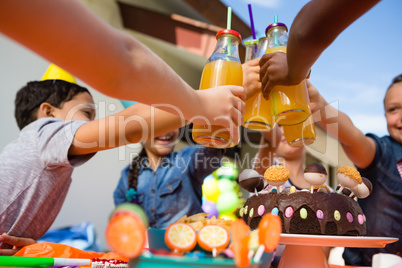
228 26
276 42
250 12
13 261
229 19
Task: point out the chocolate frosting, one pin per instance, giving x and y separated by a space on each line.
346 191
315 168
367 182
308 213
250 184
250 180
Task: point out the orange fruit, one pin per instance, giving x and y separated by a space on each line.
240 239
212 237
125 234
180 236
130 208
269 231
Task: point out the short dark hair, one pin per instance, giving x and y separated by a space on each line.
33 94
397 79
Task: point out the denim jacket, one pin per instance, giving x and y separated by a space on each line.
174 189
383 207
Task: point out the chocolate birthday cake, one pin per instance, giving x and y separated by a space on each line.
316 211
303 212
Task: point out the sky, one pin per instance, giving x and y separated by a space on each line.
355 71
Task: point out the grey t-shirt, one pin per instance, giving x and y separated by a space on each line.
35 175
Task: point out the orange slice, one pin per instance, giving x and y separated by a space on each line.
125 234
269 231
181 237
212 237
240 238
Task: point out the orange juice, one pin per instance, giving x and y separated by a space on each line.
290 104
217 73
258 114
300 134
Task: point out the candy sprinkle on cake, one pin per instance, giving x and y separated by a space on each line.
276 173
351 173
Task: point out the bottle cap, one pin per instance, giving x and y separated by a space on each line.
277 24
250 42
227 31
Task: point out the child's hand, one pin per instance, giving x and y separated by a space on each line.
274 70
251 77
12 244
316 100
222 106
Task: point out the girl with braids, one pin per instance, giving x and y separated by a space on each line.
167 184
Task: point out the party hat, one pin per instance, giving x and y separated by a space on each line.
55 72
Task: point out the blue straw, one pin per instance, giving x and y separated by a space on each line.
276 42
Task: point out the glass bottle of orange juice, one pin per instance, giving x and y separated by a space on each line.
300 134
222 68
258 114
290 104
251 49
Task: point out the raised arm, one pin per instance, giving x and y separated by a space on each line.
69 35
315 27
135 124
359 148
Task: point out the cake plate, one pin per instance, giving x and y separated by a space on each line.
307 250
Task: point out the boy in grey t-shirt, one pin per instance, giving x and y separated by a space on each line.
58 133
35 169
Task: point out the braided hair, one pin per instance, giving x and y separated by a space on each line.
133 175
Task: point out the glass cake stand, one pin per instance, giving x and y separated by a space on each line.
307 250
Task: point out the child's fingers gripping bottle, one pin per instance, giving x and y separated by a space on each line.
222 68
290 104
